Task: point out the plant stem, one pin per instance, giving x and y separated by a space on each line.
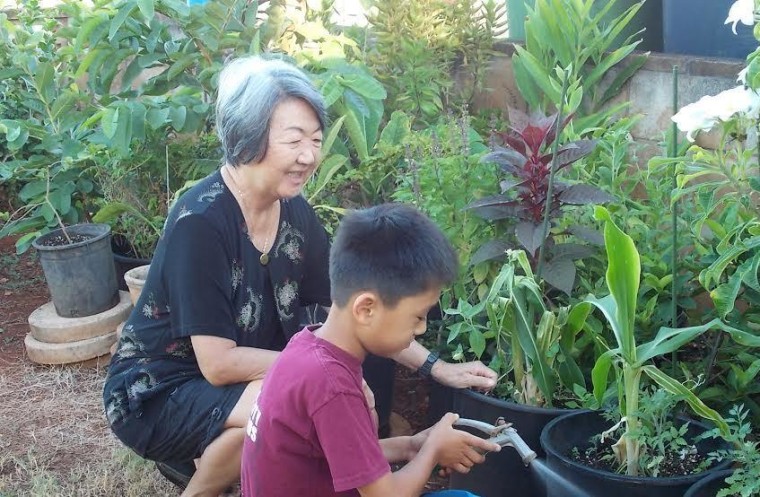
552 170
674 221
631 380
55 211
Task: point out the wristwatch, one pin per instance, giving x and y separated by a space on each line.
427 367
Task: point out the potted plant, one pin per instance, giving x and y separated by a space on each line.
630 362
531 338
533 344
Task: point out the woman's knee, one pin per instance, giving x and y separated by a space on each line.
238 417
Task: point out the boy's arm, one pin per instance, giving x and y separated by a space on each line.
441 444
409 481
397 449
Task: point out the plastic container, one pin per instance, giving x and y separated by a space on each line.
80 276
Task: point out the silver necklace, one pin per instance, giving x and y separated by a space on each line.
264 257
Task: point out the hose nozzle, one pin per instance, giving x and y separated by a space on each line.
503 434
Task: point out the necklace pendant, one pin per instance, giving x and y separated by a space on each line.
264 259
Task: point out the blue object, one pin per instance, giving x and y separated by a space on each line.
196 2
696 27
450 493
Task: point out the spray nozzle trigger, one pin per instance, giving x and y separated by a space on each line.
502 434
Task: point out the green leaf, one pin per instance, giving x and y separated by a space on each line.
623 276
364 84
109 121
181 64
477 342
157 117
677 388
331 90
397 129
600 374
146 8
111 211
327 170
118 20
178 116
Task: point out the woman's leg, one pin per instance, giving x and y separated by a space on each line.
219 465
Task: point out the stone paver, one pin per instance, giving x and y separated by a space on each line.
48 327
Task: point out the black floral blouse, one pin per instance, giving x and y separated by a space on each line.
206 279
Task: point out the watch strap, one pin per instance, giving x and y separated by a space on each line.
426 369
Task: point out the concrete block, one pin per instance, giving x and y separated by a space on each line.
67 353
47 326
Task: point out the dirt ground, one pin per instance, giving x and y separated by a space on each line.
53 436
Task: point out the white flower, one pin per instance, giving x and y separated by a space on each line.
742 77
741 11
705 113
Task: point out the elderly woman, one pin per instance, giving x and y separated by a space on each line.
241 253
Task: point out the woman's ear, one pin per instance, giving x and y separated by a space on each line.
365 307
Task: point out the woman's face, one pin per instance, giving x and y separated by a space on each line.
294 148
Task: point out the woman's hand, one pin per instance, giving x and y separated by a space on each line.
464 375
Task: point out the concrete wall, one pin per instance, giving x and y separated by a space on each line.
649 92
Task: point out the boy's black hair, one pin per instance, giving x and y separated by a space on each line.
391 249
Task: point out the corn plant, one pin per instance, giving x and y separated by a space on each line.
631 360
531 340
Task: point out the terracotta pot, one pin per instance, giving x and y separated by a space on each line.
135 279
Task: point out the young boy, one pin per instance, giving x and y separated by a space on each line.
311 432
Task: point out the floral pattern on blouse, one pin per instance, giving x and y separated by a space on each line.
249 315
290 243
285 296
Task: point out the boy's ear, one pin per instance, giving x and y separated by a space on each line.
365 307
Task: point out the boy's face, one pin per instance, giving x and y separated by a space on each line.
391 330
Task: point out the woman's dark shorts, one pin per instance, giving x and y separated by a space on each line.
179 424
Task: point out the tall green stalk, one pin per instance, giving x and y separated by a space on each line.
674 220
552 171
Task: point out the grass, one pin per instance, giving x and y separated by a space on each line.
54 439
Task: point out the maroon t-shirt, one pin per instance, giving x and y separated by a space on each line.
311 432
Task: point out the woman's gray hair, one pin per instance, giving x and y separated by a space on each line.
250 88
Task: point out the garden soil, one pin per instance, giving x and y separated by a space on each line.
52 418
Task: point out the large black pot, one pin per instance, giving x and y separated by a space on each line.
710 485
503 473
124 258
573 430
80 276
440 401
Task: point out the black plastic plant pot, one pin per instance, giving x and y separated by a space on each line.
710 485
574 430
440 401
124 259
503 473
80 275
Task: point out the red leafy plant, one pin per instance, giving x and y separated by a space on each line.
525 157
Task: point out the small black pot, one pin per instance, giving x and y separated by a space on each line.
503 473
710 485
124 259
576 429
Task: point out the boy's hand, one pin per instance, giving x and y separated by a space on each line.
456 449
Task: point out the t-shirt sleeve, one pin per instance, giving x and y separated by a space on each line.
315 288
349 442
197 275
